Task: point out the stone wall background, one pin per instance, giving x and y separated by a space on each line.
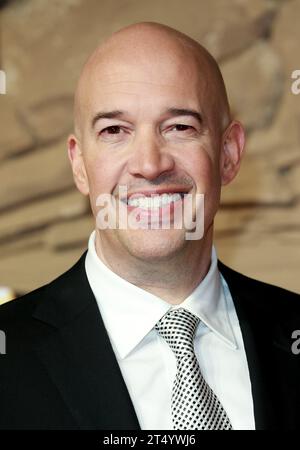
45 222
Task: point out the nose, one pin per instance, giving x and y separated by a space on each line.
149 157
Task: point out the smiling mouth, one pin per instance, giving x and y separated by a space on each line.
153 201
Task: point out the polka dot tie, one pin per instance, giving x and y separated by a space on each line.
194 404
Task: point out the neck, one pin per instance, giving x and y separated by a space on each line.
173 279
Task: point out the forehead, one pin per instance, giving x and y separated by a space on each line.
143 85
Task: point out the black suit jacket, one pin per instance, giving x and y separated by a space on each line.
60 371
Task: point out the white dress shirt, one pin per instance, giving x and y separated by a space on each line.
146 361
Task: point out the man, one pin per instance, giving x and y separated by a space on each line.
149 329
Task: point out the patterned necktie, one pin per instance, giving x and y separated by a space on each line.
194 404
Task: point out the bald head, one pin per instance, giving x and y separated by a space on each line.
152 45
152 116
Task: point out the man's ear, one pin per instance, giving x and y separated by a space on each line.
233 142
77 163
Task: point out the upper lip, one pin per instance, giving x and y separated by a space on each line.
157 191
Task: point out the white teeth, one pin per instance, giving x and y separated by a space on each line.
154 202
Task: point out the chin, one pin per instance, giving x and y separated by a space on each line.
154 245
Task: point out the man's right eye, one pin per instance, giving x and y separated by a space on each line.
113 129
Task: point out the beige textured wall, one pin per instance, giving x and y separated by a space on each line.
44 222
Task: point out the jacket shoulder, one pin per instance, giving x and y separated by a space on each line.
252 289
14 312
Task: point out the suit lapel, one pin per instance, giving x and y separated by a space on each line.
79 357
80 360
272 366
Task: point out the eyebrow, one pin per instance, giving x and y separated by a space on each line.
185 112
173 112
107 115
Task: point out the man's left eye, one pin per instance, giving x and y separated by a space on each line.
182 127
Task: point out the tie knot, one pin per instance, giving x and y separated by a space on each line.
178 328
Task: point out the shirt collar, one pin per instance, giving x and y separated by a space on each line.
129 313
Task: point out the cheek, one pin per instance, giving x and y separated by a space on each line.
104 172
204 170
101 181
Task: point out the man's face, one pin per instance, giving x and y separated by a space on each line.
156 134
